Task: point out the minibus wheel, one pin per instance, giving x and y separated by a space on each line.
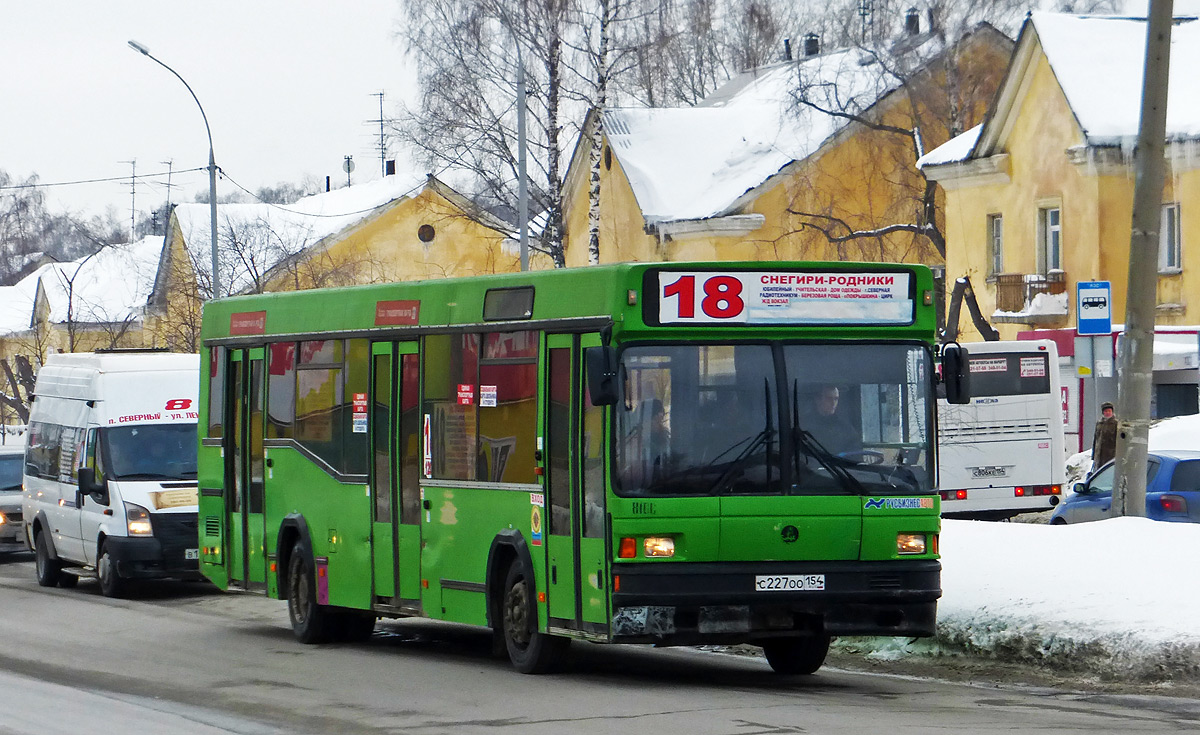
111 584
531 652
796 655
311 623
49 571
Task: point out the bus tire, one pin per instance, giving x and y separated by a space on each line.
311 623
530 651
49 570
111 583
796 656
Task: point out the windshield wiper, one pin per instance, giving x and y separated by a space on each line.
808 443
761 439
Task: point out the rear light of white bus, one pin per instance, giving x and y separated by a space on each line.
953 494
1036 490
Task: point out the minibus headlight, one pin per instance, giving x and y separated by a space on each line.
3 519
659 546
137 520
910 543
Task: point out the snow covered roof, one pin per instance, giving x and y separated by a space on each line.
292 227
16 304
697 162
1098 62
110 286
954 150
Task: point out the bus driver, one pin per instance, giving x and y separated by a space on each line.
829 427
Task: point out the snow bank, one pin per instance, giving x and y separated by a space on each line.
1114 598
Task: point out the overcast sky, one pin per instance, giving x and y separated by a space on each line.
287 86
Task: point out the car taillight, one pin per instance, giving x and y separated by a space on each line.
953 494
1173 503
1021 492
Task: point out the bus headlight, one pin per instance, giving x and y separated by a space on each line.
659 546
910 543
137 520
3 519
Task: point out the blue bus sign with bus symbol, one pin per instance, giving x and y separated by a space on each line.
1094 308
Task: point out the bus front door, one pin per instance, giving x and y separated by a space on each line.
244 467
577 547
395 534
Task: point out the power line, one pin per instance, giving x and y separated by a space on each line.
97 181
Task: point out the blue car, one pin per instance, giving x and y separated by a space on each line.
1172 491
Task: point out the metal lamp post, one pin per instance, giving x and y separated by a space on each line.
212 165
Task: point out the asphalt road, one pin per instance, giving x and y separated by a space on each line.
189 659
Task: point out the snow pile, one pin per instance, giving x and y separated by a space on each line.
1112 598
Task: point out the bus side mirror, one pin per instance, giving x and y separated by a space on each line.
98 490
601 366
956 373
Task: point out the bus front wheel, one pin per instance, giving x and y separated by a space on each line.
531 652
797 655
311 623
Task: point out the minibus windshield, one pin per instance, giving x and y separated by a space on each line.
150 451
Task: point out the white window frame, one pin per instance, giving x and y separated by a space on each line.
995 239
1170 249
1050 242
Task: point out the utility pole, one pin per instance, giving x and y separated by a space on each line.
382 140
132 199
169 164
1136 361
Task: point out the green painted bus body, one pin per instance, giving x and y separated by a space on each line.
443 560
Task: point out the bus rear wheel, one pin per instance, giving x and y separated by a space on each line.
531 652
311 623
796 656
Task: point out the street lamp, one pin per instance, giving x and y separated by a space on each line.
212 165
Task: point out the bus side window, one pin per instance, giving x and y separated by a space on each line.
592 451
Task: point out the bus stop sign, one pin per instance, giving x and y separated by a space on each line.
1094 308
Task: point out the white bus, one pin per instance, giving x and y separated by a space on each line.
1003 453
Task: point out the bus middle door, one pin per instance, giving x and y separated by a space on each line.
245 464
577 549
395 533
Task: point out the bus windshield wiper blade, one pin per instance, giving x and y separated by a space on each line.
743 459
806 442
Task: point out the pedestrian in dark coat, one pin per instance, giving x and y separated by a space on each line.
1104 441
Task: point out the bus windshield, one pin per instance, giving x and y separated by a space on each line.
803 419
149 452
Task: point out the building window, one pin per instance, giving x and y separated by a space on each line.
1168 240
1050 229
995 224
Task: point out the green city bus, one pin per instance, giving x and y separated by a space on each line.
677 454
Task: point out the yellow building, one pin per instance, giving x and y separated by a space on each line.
1040 196
750 174
397 228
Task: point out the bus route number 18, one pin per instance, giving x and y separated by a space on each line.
718 298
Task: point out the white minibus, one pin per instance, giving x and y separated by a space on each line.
110 469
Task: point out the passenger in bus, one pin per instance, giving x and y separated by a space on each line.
833 430
647 446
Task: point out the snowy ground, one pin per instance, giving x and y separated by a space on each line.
1115 599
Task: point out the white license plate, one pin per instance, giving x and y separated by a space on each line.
789 582
191 553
